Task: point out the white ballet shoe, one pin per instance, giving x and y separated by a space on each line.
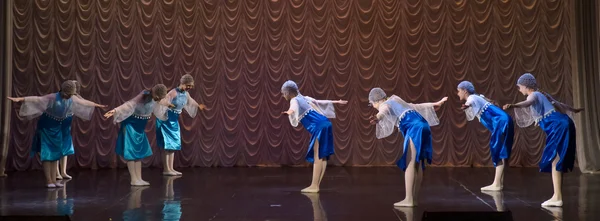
492 188
169 174
66 176
59 184
58 177
310 189
405 203
552 203
51 185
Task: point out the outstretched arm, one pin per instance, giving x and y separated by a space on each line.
526 103
16 99
330 102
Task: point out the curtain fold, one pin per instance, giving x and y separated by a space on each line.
586 80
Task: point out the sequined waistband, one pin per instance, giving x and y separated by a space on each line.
485 107
175 111
537 120
140 117
404 114
57 118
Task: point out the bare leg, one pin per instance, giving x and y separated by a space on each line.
498 183
168 170
58 176
133 174
418 181
50 178
317 172
409 178
54 172
63 168
138 173
556 199
172 160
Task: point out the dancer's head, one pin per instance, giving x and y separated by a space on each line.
465 89
376 97
186 83
527 83
77 87
289 90
68 89
158 92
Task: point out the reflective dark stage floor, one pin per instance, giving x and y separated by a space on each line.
273 194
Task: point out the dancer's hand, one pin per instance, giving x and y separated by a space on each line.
577 110
341 102
101 105
201 107
442 101
109 114
507 106
288 112
16 99
463 107
373 120
171 106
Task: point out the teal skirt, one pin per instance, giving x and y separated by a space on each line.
168 133
51 138
132 143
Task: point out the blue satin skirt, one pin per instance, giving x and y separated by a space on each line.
67 140
414 127
132 142
321 130
500 124
168 133
560 140
51 138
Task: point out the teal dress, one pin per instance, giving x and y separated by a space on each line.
132 142
52 139
168 132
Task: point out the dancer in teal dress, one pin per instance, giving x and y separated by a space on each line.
313 114
551 115
168 133
67 149
51 138
498 122
413 121
132 142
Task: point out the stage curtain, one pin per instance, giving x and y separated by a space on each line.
586 80
240 53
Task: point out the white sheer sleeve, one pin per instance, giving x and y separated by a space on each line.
35 106
294 117
125 110
525 116
191 107
470 111
426 110
82 108
325 108
387 121
160 111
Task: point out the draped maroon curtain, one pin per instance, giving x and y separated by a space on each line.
240 52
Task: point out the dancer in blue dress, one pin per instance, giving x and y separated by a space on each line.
498 122
413 121
51 137
551 115
132 142
313 114
168 133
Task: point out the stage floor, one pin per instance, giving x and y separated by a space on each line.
348 193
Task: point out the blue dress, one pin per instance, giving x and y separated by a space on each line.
410 120
168 133
53 134
498 122
320 130
132 142
317 124
560 133
414 127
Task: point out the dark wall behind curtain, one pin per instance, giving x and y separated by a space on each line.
240 53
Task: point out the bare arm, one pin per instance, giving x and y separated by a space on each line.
330 102
526 103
